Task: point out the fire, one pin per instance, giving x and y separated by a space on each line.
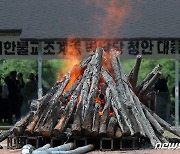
110 114
115 12
106 61
71 60
100 113
76 72
97 100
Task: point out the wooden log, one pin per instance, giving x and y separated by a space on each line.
39 119
87 123
162 138
87 59
154 122
6 134
145 122
96 66
96 117
50 108
105 113
111 127
133 77
118 132
40 108
163 123
76 126
121 122
147 78
126 97
86 86
47 129
117 102
72 88
21 125
68 110
136 126
44 103
81 107
149 85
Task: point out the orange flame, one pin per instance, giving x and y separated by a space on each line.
115 11
110 114
100 113
97 100
71 59
75 73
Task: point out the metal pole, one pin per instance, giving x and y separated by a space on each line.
40 70
177 89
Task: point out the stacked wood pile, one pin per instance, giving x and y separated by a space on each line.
96 98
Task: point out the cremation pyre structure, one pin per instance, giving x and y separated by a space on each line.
96 98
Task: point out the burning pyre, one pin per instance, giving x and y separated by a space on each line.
96 98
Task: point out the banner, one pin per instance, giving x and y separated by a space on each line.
12 48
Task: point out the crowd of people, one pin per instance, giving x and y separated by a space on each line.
16 95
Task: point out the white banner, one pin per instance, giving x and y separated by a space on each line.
12 48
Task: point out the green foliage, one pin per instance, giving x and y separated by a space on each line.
147 65
168 68
49 74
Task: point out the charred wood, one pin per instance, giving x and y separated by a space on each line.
96 66
133 77
96 117
68 110
21 125
111 127
120 110
145 122
105 113
118 132
147 78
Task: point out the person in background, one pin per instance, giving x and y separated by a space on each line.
5 96
161 84
21 81
29 93
21 87
14 95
